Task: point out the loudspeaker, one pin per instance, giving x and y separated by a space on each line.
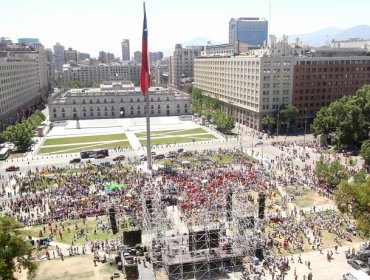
261 205
132 272
229 205
132 237
259 254
112 219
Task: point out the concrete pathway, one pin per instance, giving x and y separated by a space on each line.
134 142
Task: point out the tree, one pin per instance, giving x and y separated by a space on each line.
223 122
75 84
288 115
21 133
347 119
330 172
365 151
354 199
13 246
268 122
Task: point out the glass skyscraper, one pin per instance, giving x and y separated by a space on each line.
249 30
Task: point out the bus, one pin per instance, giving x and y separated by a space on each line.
93 153
4 153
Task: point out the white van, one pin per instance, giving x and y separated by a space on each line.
356 275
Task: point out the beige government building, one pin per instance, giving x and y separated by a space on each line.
116 100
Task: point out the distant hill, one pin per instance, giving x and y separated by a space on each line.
323 36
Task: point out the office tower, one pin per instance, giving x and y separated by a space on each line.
83 56
58 56
249 30
70 55
137 57
125 45
19 87
181 64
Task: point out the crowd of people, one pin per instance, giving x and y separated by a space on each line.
53 195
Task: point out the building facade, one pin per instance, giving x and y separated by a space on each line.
116 100
248 30
248 87
90 74
58 56
19 88
70 55
161 72
181 64
125 46
318 81
137 57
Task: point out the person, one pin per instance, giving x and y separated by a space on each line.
309 264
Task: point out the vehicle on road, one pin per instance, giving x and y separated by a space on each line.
99 156
75 160
259 143
118 158
355 275
180 150
160 156
12 168
359 265
4 153
93 153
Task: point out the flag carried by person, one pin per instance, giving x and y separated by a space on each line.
145 75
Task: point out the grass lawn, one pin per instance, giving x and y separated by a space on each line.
88 146
171 140
308 198
67 237
173 132
84 139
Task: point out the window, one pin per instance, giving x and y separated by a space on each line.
158 99
112 108
98 109
167 99
152 112
168 106
178 106
63 115
63 110
159 106
84 114
131 100
83 101
54 110
91 101
105 100
186 110
178 111
91 109
73 101
98 101
112 113
98 114
91 114
55 115
112 100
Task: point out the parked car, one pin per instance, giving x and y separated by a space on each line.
118 158
12 168
359 265
160 156
75 160
180 150
99 156
259 143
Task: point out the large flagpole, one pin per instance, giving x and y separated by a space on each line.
145 74
148 140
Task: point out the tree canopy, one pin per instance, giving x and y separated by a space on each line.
330 172
347 119
209 107
354 199
365 152
13 247
21 133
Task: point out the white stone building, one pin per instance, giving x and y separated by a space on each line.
90 74
19 88
248 87
116 100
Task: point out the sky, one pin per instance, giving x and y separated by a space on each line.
95 25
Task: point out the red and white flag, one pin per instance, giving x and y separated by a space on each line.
145 75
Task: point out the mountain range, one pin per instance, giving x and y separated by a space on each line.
317 38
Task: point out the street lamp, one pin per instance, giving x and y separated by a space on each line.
304 135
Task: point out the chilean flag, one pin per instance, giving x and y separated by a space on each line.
145 75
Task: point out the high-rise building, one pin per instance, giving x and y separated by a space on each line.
181 64
90 74
248 87
31 41
125 45
50 66
70 55
249 30
161 72
19 87
137 57
83 56
154 57
58 56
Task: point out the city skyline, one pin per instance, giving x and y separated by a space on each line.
169 22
